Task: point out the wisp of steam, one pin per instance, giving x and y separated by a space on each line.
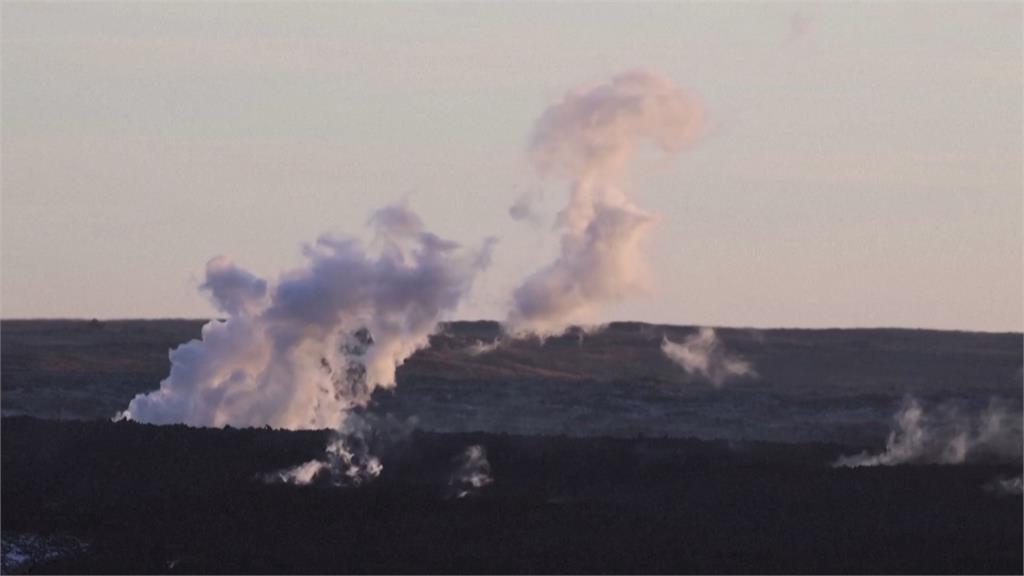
473 472
1003 486
588 138
347 460
949 438
705 355
480 347
303 353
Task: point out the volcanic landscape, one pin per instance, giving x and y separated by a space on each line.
871 451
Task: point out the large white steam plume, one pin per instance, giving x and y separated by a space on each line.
944 438
302 354
588 138
704 354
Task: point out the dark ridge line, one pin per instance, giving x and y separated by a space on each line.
589 328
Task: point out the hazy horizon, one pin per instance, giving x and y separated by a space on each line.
860 165
499 321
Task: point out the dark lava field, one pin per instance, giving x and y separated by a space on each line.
603 457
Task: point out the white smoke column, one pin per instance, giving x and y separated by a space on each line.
920 438
588 138
473 473
327 336
704 353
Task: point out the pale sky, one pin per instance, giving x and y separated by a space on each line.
861 164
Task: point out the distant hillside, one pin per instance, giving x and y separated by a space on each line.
840 385
631 351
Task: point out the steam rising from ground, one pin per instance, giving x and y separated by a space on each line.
473 473
347 460
704 354
303 353
948 437
323 339
345 463
588 138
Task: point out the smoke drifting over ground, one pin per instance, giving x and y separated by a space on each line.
704 354
323 339
945 437
588 138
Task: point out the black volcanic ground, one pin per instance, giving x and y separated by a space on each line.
605 456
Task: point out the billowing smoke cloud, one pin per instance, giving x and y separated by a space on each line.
326 336
946 438
232 289
704 354
473 473
588 138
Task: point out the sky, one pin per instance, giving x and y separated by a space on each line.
860 163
